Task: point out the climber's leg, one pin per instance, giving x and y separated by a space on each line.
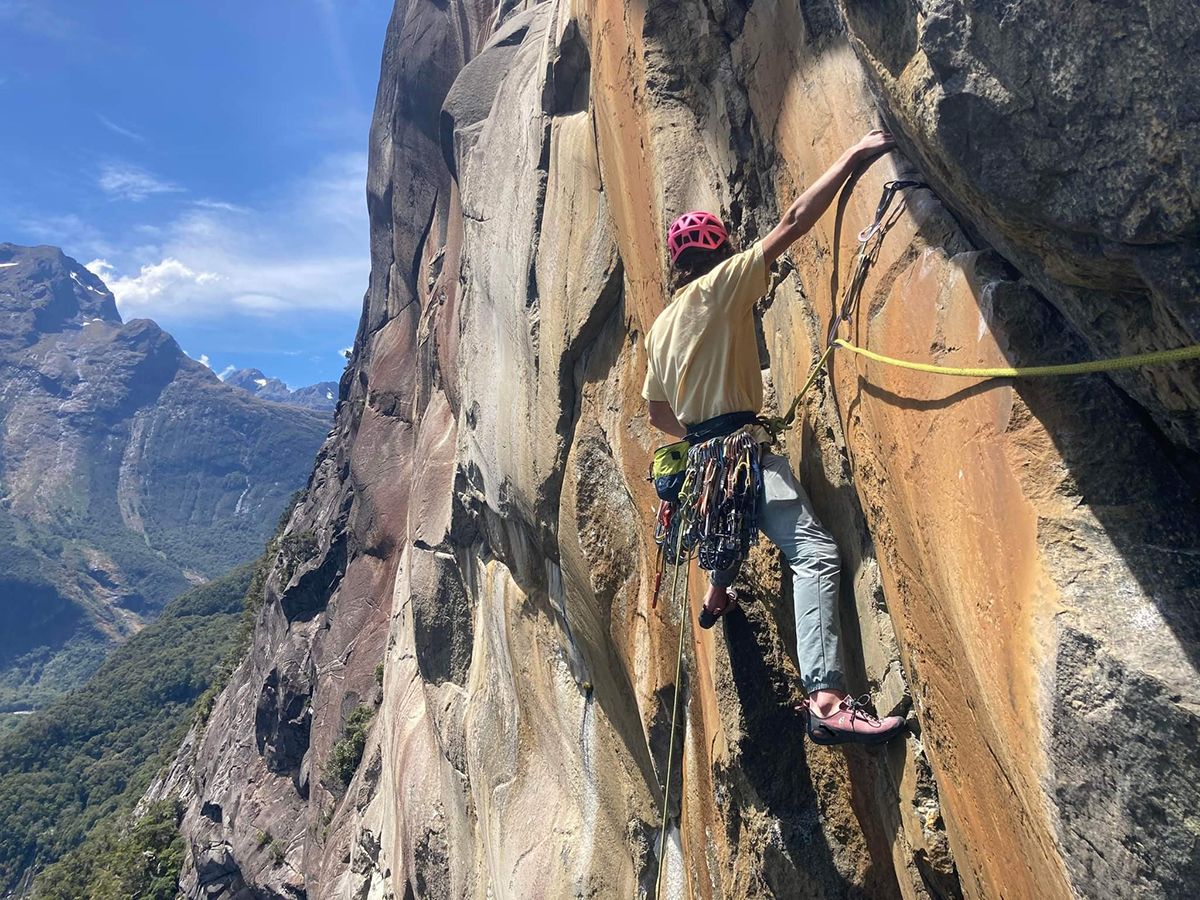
833 717
787 518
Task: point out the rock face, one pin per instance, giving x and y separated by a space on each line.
128 472
1019 557
321 396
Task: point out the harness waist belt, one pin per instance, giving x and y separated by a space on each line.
719 426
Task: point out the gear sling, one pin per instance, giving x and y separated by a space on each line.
709 486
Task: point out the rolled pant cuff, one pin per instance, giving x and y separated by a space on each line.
831 682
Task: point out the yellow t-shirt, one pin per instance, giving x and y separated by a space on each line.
701 352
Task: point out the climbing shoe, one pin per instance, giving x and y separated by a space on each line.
850 723
709 619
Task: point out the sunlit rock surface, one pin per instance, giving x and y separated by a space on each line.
1020 557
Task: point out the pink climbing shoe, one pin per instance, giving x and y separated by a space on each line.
851 723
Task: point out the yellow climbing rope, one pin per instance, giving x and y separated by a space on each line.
776 425
1157 357
872 236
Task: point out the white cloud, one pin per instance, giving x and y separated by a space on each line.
205 361
305 249
226 372
221 205
71 233
117 129
101 268
166 282
125 181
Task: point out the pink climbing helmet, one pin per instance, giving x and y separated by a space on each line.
695 229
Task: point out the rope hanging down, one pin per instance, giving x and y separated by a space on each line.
685 563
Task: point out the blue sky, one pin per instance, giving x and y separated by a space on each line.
207 159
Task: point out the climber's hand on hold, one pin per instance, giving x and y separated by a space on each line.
873 143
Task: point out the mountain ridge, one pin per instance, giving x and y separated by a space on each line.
127 471
323 395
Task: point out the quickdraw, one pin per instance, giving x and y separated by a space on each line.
869 240
667 537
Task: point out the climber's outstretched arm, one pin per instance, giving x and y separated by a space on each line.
811 205
663 418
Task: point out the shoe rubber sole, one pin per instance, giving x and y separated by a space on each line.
833 738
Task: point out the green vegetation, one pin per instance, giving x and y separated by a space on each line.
90 755
296 549
40 676
71 774
239 639
49 644
275 850
348 750
140 861
51 561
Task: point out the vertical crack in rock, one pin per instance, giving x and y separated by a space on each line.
283 721
1068 157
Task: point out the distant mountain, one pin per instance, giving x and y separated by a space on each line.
127 472
322 396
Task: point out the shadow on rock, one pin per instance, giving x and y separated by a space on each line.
772 771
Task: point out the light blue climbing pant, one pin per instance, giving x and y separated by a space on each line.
786 517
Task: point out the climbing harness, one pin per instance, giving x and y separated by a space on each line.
708 486
718 504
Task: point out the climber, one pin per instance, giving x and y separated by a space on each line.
703 381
